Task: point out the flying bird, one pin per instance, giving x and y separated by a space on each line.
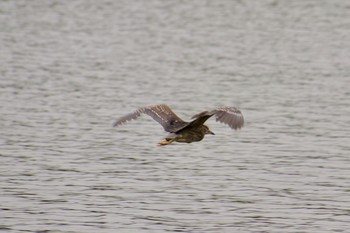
182 131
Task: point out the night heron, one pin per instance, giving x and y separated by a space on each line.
182 131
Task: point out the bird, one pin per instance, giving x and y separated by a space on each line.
180 130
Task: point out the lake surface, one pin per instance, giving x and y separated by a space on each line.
69 69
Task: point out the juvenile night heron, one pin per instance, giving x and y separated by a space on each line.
182 131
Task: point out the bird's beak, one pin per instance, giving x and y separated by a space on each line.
211 133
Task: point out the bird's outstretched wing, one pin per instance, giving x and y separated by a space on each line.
160 113
230 116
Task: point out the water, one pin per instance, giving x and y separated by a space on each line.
69 69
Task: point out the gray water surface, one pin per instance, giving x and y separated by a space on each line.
68 69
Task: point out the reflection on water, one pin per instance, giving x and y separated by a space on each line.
69 70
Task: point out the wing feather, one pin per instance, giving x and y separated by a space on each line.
160 113
128 117
230 116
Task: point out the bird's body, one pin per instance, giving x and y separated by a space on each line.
182 131
187 135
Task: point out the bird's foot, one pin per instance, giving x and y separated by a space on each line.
165 142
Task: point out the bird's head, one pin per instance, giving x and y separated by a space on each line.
207 130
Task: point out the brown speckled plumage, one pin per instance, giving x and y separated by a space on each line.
182 131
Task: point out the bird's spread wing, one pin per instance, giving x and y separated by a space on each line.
160 113
230 116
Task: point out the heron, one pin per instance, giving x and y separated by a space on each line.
183 131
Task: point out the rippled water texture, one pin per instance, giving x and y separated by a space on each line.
69 68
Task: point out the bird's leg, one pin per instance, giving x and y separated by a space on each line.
166 142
